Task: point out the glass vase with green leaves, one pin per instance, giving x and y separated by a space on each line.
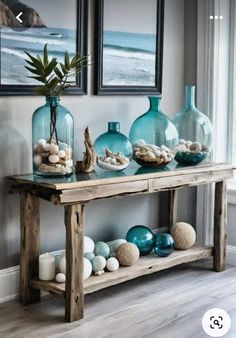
52 124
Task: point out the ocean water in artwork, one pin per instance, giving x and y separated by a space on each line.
14 43
129 59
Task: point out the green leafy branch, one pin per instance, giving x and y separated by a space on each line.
55 76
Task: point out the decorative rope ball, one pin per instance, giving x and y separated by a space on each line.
184 235
127 254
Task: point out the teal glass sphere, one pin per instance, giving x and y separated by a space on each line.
163 244
142 237
89 255
102 249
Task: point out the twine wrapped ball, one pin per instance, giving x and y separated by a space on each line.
127 254
184 235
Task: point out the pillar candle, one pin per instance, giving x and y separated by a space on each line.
46 267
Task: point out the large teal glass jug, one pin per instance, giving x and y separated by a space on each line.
195 132
52 139
153 137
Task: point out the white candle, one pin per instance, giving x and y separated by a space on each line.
46 267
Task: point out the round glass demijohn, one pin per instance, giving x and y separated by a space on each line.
195 132
153 136
113 149
52 139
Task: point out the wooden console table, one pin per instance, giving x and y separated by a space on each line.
74 192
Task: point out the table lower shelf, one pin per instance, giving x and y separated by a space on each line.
146 265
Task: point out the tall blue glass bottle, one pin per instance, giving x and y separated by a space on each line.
193 127
52 139
153 128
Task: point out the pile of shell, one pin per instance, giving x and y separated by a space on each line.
52 158
150 155
189 146
113 161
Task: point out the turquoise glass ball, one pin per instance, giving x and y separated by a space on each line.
102 249
98 263
142 237
163 244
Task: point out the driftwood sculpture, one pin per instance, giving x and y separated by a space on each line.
88 163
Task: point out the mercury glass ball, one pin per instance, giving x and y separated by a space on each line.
163 244
102 249
142 237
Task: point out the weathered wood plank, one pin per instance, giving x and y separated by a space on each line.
54 184
74 221
173 200
146 265
220 223
137 187
29 246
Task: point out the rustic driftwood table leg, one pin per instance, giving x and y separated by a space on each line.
29 246
74 221
220 221
173 202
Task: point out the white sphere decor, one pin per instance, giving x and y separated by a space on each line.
87 268
88 244
60 277
98 263
112 264
62 263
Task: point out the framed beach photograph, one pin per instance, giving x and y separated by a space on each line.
61 24
129 46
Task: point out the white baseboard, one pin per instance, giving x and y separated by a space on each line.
9 278
231 255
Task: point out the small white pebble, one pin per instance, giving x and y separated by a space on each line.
164 148
188 143
42 142
61 153
142 142
46 147
182 141
60 278
37 160
108 160
54 149
113 161
53 159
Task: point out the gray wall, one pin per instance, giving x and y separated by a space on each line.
104 219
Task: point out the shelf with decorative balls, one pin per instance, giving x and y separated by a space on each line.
141 253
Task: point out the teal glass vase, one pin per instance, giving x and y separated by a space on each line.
195 132
52 139
113 149
153 137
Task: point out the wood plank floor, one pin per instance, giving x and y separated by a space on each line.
168 304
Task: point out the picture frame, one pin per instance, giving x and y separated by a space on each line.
104 38
80 88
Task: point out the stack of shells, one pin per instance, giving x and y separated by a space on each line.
150 155
189 146
52 157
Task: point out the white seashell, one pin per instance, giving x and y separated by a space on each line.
164 148
182 141
157 152
107 159
196 146
113 161
42 142
60 278
188 143
53 159
164 154
47 147
151 154
37 160
54 149
61 153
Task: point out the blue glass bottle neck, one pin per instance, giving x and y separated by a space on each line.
52 101
155 103
189 97
114 127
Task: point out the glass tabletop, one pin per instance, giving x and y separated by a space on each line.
132 170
